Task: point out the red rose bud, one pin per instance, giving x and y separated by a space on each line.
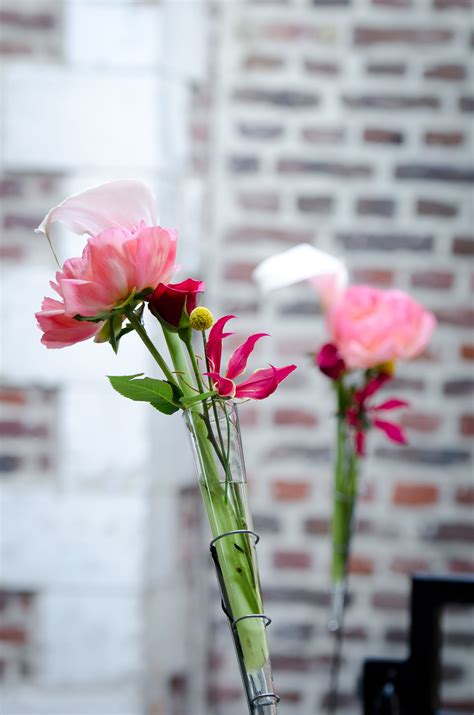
330 361
172 303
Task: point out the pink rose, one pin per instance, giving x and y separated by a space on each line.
169 301
124 256
372 326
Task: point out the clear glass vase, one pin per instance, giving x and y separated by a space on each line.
215 436
346 476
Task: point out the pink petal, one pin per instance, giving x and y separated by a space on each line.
360 443
151 256
372 387
123 203
86 297
60 331
214 342
238 360
224 386
393 431
392 404
263 382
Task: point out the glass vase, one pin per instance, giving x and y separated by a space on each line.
346 475
214 430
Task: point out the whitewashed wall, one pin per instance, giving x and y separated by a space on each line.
109 102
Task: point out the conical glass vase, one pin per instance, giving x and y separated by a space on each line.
215 436
346 476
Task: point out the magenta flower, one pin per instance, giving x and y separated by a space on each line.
125 256
259 385
330 361
361 416
168 301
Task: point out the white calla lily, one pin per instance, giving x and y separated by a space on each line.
327 273
122 203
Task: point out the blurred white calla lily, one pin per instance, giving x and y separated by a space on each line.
124 203
326 273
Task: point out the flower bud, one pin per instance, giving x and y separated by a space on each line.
330 361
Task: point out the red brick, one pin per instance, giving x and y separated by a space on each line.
444 138
323 135
28 20
446 72
382 136
291 490
12 634
465 495
413 495
258 201
301 418
361 565
389 600
12 396
431 207
467 352
374 276
253 234
239 272
461 317
292 560
463 246
10 187
466 425
437 280
461 565
318 526
401 35
222 694
263 62
328 69
409 564
421 421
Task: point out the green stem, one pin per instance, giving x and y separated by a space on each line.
140 329
345 491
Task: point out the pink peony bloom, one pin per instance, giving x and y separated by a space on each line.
259 385
372 326
124 256
60 331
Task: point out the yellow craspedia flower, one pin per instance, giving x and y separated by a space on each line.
388 367
201 319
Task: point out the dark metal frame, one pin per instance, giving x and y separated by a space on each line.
411 687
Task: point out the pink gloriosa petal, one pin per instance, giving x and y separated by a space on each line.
224 386
214 342
263 382
238 360
394 432
392 404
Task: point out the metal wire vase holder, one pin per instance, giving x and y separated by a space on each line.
260 700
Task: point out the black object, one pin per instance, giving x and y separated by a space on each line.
411 687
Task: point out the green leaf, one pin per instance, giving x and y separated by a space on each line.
162 395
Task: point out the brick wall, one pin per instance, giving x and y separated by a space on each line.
348 125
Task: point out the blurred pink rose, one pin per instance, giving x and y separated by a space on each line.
372 326
124 255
